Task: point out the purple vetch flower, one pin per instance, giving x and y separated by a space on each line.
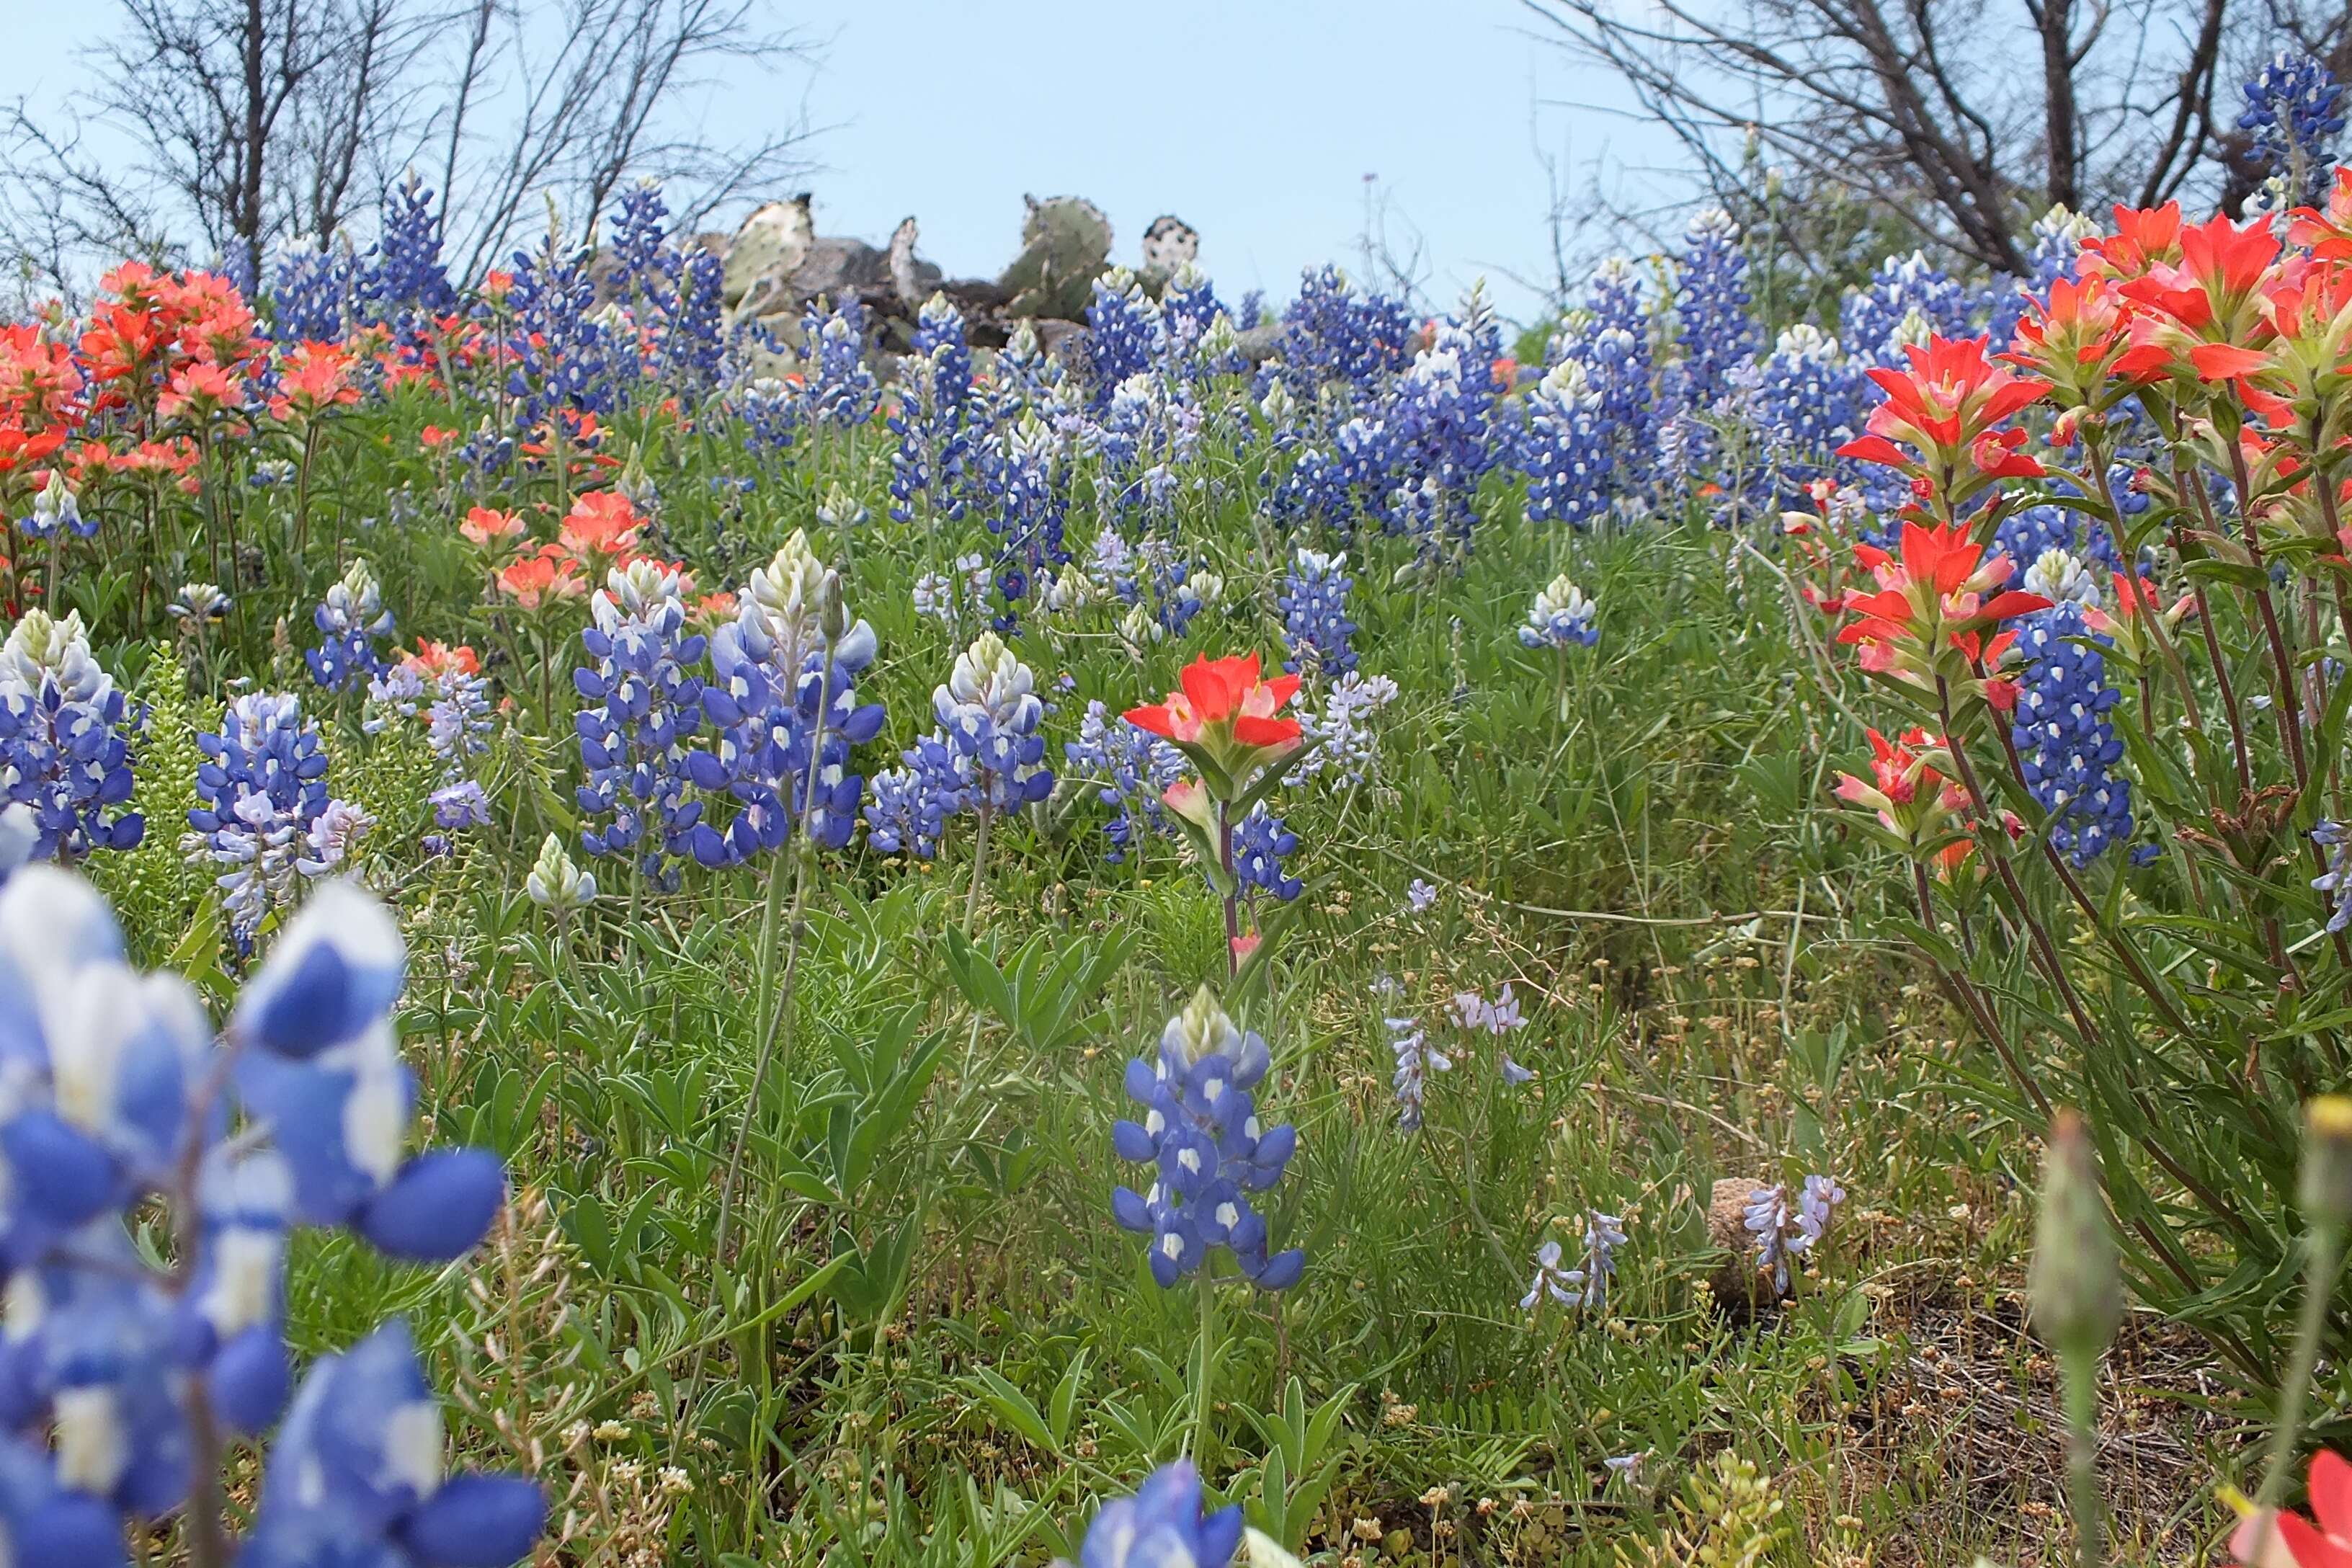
1783 1231
1416 1058
1419 898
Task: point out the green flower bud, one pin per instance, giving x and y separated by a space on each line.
2326 1189
2077 1293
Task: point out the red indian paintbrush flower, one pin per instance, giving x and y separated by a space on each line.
1223 693
1936 601
2274 1539
1949 406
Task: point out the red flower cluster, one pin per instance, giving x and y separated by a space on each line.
1224 698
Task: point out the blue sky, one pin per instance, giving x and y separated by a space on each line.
1254 120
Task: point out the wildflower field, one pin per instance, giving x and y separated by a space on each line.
1300 931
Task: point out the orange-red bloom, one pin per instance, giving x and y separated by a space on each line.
600 523
2269 1539
1224 692
488 528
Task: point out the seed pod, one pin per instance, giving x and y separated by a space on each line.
2077 1295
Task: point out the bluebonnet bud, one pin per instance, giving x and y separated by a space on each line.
1201 1130
63 747
929 420
555 884
352 619
644 706
1561 617
405 273
1314 605
2066 743
2294 114
1163 1525
266 817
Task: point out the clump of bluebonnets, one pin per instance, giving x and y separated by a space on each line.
644 707
264 817
352 620
1199 1131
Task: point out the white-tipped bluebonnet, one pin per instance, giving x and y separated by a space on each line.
782 699
672 295
1314 605
1026 497
1261 846
2294 115
839 386
1199 1131
1613 344
1416 1058
263 789
2059 578
355 1476
116 1102
2066 743
1132 769
1336 334
1807 403
1560 617
930 418
353 620
1876 320
65 752
1566 452
56 511
1163 1525
1784 1231
772 413
1433 438
989 711
644 706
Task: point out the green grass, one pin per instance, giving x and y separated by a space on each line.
928 1345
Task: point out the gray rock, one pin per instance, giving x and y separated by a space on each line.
771 246
1170 243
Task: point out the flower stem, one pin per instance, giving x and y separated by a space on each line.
978 868
1208 1353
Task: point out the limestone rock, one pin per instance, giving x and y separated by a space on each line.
903 280
1170 243
771 245
1737 1280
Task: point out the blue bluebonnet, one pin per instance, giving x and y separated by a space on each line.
1023 484
1125 335
1566 452
65 734
2294 114
1807 403
1416 1058
772 413
989 712
404 271
1262 845
1907 299
1132 769
1346 745
645 705
838 385
1201 1131
1314 605
2066 745
1144 438
1715 332
56 510
673 295
1022 376
2026 533
1336 334
353 620
1163 1525
565 357
2337 880
2058 237
1435 435
314 291
911 804
20 835
1560 617
266 818
1784 1231
1611 343
930 417
114 1104
782 699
